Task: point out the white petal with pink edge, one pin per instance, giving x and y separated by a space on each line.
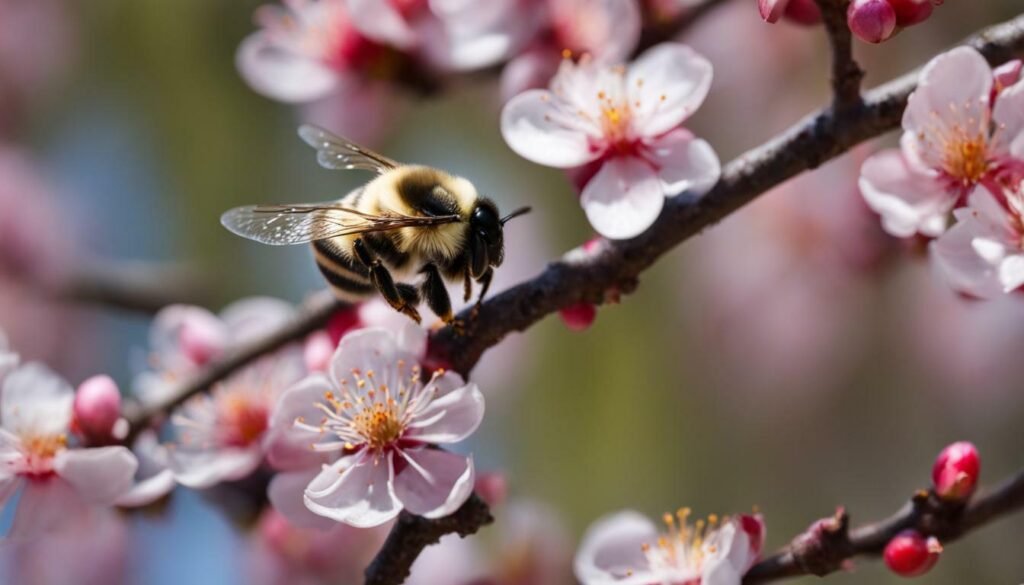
355 490
288 446
380 21
281 74
200 469
99 475
623 199
434 483
35 401
539 131
611 551
451 417
729 556
1008 116
685 163
285 493
908 201
669 82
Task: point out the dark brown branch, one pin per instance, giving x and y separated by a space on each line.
411 534
313 316
829 545
659 31
813 141
136 287
846 74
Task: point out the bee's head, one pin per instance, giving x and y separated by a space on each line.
486 236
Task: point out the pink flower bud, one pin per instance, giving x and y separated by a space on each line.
579 317
910 555
318 351
956 470
201 339
872 21
97 407
492 488
804 12
911 12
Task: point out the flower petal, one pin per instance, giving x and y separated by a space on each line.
201 469
952 92
254 317
148 490
623 199
1008 115
44 506
372 349
450 418
280 74
728 556
381 22
684 163
611 550
435 482
908 201
287 446
357 492
958 260
99 475
286 495
35 401
772 10
536 130
669 81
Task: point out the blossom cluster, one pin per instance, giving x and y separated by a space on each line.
959 173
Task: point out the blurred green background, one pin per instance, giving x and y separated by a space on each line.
154 134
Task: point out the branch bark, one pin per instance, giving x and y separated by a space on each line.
829 545
136 286
846 74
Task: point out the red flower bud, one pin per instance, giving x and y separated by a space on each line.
911 12
956 470
97 408
910 555
579 317
872 21
804 12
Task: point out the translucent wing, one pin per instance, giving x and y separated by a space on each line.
334 152
282 225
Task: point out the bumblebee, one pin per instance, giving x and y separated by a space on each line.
409 218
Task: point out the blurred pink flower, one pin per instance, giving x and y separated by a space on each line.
58 479
531 547
782 286
372 417
983 253
605 30
954 138
627 548
154 478
184 338
626 120
8 359
280 553
221 433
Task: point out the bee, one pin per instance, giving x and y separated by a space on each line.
408 218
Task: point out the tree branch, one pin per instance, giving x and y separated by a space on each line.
666 30
846 74
140 287
829 544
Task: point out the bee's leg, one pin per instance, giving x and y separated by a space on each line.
467 286
398 296
485 283
435 293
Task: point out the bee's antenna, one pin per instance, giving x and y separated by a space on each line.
516 213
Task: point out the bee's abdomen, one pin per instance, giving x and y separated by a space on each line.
347 277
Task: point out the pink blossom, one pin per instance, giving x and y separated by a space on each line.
154 478
184 339
627 548
625 121
370 420
221 434
983 254
954 137
804 12
97 409
8 359
57 478
605 30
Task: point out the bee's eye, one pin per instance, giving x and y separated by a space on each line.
485 220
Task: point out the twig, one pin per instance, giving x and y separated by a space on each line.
846 74
411 534
137 287
313 316
829 545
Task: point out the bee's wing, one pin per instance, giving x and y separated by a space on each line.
334 152
282 225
